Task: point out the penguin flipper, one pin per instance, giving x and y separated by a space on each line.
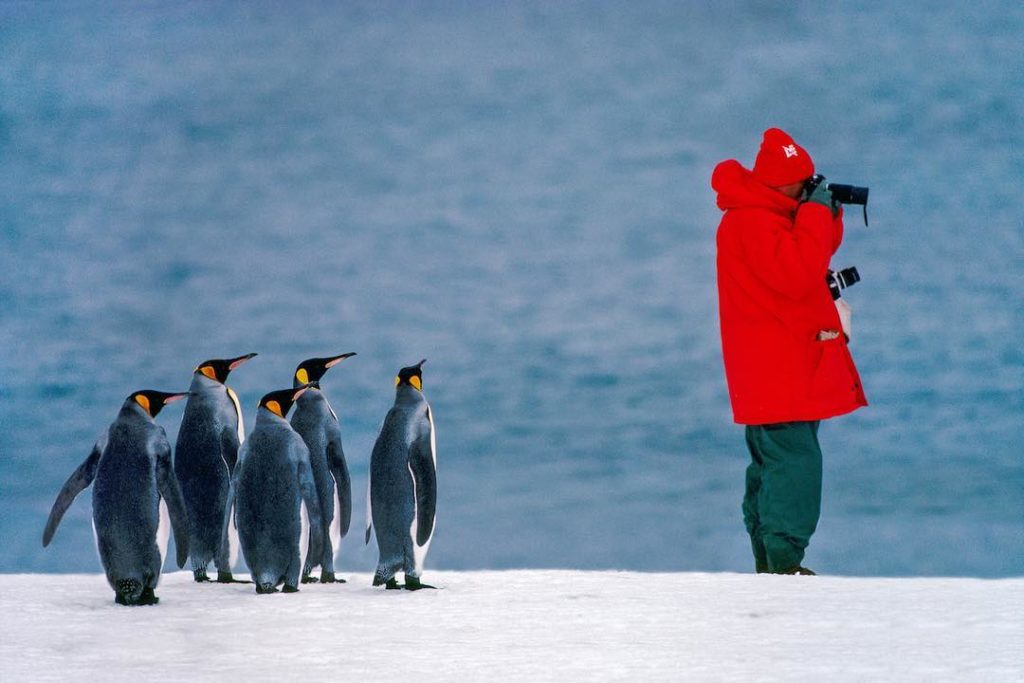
230 514
229 448
167 485
76 483
307 487
339 469
424 473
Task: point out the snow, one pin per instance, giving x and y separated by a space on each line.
521 625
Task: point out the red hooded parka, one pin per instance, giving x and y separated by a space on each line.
773 256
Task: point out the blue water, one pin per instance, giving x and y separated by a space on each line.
519 193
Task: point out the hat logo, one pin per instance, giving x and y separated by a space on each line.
790 151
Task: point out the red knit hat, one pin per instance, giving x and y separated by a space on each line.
781 161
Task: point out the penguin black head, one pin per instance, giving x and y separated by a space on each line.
280 402
411 376
218 369
154 401
313 369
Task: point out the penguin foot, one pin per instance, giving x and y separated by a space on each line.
228 577
329 577
265 588
199 575
381 581
148 597
414 584
289 589
310 579
128 591
392 585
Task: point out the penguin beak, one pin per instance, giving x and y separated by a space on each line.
337 359
171 398
420 364
235 362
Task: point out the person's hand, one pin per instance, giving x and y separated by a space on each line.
822 195
845 316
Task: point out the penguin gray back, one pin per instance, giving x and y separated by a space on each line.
318 425
134 488
271 486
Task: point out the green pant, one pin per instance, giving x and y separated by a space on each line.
782 502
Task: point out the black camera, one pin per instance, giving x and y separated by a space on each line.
841 194
841 279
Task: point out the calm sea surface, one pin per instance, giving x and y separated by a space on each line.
518 193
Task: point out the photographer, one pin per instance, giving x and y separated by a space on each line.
784 344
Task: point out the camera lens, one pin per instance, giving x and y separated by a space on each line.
841 279
848 194
848 276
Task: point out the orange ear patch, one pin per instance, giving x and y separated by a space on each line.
302 376
144 402
275 408
208 371
416 382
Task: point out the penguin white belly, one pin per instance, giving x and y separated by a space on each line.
238 411
233 543
163 531
303 533
433 437
336 524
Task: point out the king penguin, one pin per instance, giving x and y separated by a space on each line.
274 496
134 498
402 495
317 424
204 458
